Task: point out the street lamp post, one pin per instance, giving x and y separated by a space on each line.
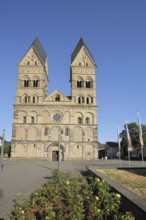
2 139
59 151
1 153
59 139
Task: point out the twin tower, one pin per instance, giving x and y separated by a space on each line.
55 126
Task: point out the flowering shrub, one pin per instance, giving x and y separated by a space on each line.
68 197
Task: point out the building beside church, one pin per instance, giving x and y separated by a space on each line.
55 126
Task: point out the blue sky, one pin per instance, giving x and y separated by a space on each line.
115 32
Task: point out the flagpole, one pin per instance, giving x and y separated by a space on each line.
119 144
129 155
142 156
129 140
140 137
2 149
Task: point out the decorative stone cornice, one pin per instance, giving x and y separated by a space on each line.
61 108
31 69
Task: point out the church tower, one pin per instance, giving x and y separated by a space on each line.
33 75
83 88
32 86
83 75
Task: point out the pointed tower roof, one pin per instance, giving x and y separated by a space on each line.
37 46
80 44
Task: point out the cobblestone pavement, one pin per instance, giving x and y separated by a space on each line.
24 176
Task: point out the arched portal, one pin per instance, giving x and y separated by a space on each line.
53 152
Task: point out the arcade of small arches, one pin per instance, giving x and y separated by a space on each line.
27 82
29 99
33 118
81 83
80 120
87 120
45 133
85 100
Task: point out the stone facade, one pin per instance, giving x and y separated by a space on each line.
55 126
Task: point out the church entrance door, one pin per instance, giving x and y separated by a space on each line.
55 155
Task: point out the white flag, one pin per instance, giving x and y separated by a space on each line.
140 130
128 135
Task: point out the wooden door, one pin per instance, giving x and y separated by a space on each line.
54 155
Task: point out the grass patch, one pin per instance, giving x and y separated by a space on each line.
134 179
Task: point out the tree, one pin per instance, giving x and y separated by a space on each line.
6 150
134 134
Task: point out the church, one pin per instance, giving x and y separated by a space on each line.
55 126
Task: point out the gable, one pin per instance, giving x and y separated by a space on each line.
83 58
81 44
38 50
31 58
57 96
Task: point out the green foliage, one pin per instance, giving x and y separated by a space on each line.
66 197
7 149
134 134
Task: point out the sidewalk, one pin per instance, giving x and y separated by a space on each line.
24 176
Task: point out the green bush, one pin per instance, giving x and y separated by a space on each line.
68 197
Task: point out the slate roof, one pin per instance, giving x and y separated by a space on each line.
37 46
77 49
